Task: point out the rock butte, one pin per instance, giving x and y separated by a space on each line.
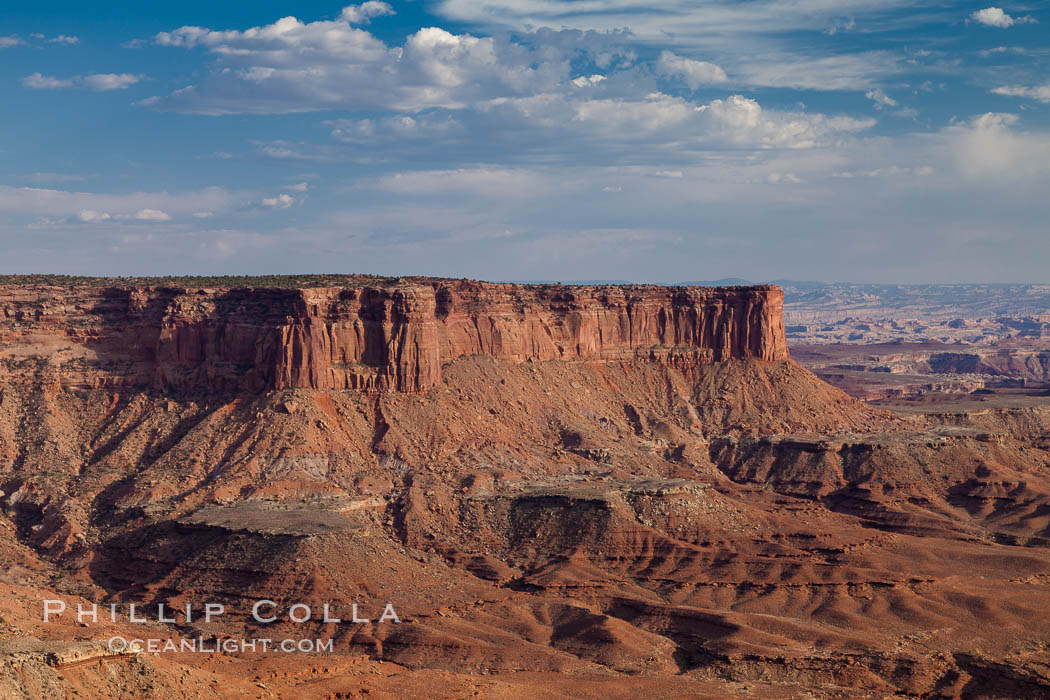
392 337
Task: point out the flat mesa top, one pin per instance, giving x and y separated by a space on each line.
318 281
271 518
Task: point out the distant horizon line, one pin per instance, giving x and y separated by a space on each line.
721 282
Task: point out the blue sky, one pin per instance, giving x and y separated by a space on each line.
892 141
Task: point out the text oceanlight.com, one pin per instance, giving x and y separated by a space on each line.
123 645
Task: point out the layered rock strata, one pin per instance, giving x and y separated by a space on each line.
374 337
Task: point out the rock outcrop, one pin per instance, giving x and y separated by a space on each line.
372 337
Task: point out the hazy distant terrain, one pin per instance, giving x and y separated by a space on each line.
843 312
884 341
812 300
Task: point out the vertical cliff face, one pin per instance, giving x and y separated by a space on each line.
541 323
377 337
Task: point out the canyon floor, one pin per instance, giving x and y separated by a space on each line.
557 528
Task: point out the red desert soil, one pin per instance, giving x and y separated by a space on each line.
614 492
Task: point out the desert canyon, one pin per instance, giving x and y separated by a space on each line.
617 491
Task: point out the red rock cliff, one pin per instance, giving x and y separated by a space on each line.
392 336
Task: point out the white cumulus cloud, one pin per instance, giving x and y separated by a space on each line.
90 215
880 98
990 145
363 13
995 17
152 215
694 73
742 120
588 80
38 81
1038 92
291 66
99 82
281 201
